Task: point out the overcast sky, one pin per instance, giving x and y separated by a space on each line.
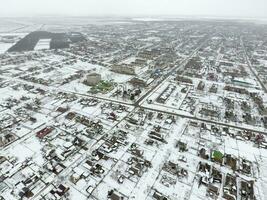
222 8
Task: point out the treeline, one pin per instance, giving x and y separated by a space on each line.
58 40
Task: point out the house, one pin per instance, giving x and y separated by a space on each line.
113 195
42 133
159 196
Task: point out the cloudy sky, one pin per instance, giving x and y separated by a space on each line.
221 8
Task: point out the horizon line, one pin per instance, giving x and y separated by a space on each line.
133 16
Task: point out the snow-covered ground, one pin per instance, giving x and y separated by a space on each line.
43 44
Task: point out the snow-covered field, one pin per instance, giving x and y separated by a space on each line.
5 46
43 44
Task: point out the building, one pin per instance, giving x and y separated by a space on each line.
137 82
93 79
124 69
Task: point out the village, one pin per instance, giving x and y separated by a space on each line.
166 110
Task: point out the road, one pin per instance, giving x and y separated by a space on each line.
204 120
251 68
